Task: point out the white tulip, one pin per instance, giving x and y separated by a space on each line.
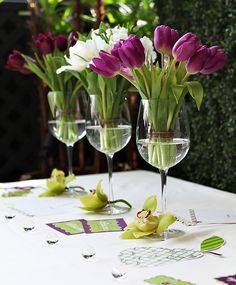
150 54
82 53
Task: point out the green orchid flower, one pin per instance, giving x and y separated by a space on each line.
56 184
96 200
146 223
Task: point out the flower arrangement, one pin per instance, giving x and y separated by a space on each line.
167 81
146 223
49 55
163 80
109 91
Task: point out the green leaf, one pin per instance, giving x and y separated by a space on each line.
150 204
196 91
165 220
212 243
177 91
181 71
156 74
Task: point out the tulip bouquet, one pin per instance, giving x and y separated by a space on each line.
164 80
49 55
98 76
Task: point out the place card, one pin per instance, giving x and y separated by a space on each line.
80 226
206 216
165 280
231 280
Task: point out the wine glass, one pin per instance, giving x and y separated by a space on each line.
108 135
158 145
67 120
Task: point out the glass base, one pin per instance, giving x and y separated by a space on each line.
172 233
115 210
75 191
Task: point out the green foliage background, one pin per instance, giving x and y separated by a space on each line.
212 156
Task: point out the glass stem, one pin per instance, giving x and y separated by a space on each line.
110 168
69 149
163 173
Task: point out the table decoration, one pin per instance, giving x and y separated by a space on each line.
56 184
154 256
97 200
146 223
164 85
108 125
166 280
66 121
49 51
16 191
230 280
212 243
74 227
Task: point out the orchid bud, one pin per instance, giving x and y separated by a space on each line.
44 43
72 38
16 62
107 64
217 58
94 201
61 42
196 62
130 52
185 47
164 39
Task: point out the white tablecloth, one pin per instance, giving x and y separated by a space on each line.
25 258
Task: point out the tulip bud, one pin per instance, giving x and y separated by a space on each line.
164 39
16 62
72 38
61 42
130 52
215 61
44 43
185 47
196 62
107 64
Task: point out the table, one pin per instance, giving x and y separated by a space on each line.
25 258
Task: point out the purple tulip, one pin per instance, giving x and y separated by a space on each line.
107 64
185 47
164 39
217 58
72 38
16 62
61 42
44 43
197 61
130 52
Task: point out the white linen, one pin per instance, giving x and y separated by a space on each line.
25 258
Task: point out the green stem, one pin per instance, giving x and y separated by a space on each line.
162 60
146 83
121 201
185 78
